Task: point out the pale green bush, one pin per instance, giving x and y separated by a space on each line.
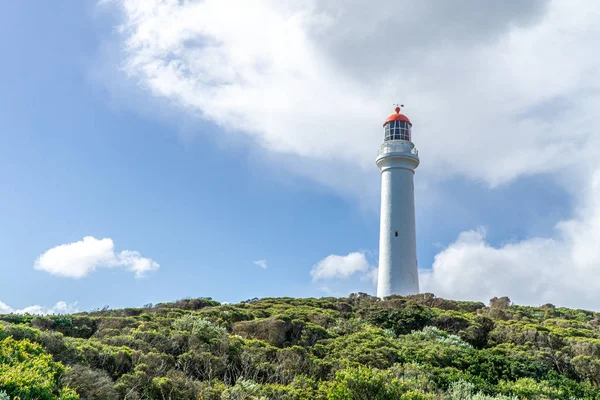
205 329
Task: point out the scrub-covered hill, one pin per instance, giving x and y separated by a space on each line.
417 347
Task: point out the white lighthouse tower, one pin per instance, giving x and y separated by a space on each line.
397 159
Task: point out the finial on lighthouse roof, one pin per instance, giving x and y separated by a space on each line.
397 116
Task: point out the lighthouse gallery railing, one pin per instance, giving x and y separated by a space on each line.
397 147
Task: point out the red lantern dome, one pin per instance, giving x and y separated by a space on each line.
397 117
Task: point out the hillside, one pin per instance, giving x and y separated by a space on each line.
418 347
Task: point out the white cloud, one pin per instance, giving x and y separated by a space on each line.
562 269
5 309
334 266
59 308
261 263
314 80
496 93
78 259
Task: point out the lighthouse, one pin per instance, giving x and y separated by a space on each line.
397 159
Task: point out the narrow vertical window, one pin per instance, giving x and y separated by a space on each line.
396 233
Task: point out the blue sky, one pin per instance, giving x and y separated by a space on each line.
214 153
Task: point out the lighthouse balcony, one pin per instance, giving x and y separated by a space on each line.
399 147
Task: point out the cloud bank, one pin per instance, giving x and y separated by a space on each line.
78 259
59 308
563 269
492 89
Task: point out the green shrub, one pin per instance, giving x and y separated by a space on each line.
402 321
201 327
462 390
243 390
367 383
89 383
28 372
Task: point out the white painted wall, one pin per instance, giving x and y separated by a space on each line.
398 271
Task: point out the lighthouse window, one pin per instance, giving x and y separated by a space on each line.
396 233
397 130
388 131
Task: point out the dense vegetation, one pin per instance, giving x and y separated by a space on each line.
417 347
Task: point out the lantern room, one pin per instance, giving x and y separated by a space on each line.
397 127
